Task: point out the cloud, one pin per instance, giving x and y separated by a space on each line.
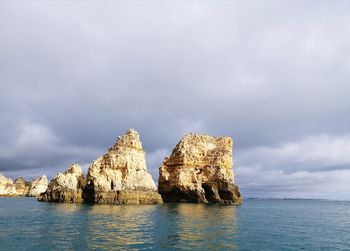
316 152
317 166
36 150
74 76
155 159
258 182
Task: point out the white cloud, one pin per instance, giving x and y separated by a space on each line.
312 153
31 134
318 166
258 182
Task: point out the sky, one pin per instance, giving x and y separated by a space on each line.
273 75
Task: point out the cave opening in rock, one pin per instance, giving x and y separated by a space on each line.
89 192
208 193
225 195
112 185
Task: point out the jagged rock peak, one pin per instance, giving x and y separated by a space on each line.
71 178
7 188
38 186
120 176
66 187
19 180
130 139
22 186
74 169
200 149
199 170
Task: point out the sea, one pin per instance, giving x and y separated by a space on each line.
257 224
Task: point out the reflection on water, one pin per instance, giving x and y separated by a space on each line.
195 225
64 208
113 226
311 225
56 226
167 226
211 224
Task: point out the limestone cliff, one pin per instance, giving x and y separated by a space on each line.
38 186
7 188
66 187
22 186
120 176
199 170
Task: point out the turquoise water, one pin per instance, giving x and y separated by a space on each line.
256 225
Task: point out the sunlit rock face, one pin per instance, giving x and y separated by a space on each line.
38 186
120 176
22 186
199 170
66 187
7 188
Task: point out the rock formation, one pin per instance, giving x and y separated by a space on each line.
7 188
22 186
120 176
199 170
66 187
38 186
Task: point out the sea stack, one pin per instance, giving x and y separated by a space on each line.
66 187
38 186
22 186
199 170
7 188
120 176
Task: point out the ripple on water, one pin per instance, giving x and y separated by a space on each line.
257 225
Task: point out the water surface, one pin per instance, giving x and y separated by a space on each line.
26 224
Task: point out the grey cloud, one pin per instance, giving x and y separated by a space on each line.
317 166
317 153
257 182
36 148
263 73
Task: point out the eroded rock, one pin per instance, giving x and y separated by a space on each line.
120 176
22 186
66 187
7 188
38 186
199 170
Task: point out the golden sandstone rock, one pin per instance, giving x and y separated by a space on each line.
38 186
66 187
199 170
120 176
7 188
20 187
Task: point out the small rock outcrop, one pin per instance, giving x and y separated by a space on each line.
22 186
120 176
199 170
66 187
7 188
38 186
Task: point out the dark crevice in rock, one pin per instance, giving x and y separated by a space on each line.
89 193
210 193
177 195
